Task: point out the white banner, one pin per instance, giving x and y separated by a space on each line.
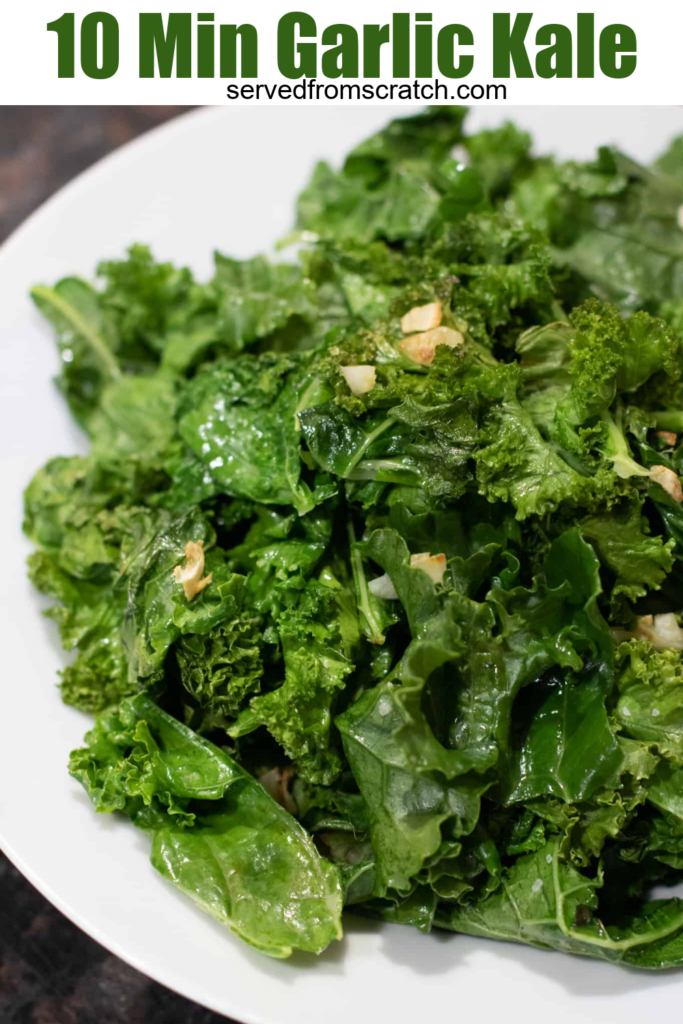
324 51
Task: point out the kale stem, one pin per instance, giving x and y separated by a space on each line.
388 422
618 451
374 634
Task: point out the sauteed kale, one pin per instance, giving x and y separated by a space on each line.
373 573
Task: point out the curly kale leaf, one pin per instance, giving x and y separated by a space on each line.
610 355
215 832
240 421
221 669
318 660
549 904
650 706
386 188
638 560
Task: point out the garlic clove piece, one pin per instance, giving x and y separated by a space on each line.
360 379
422 318
383 587
662 631
433 565
421 348
190 574
667 479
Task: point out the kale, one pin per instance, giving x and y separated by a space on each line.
373 570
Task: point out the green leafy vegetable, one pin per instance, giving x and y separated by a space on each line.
373 571
215 832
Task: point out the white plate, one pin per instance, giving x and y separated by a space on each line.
227 178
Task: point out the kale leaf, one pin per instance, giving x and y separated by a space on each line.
372 572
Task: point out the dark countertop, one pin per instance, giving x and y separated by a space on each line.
50 971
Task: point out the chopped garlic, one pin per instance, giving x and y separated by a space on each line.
383 587
190 575
276 784
360 379
461 155
668 436
667 479
662 631
421 347
422 318
621 636
433 565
